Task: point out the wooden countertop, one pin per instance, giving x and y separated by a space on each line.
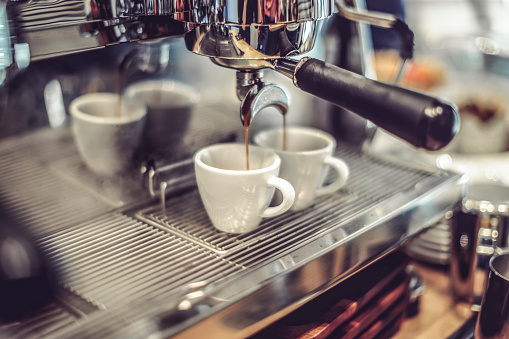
439 315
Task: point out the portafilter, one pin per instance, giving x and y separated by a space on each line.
254 35
248 36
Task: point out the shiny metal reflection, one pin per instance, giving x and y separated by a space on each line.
250 47
43 29
259 12
260 97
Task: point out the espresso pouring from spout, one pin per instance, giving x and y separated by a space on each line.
255 95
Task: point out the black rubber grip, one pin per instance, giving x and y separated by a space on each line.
422 120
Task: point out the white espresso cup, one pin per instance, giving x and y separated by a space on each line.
305 161
107 140
169 108
237 199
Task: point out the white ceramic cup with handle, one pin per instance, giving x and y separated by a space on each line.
236 199
106 138
304 163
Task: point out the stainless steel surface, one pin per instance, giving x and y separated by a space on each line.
47 28
164 271
433 245
288 67
246 13
256 95
349 45
261 96
366 54
41 29
51 318
132 267
36 162
367 57
149 7
246 80
152 57
366 51
241 47
253 12
29 176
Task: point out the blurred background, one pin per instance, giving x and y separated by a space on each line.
460 54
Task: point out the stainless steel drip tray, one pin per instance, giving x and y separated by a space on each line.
185 217
188 280
166 271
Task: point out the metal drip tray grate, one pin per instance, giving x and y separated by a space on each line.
42 323
114 260
284 260
187 217
132 267
44 183
31 192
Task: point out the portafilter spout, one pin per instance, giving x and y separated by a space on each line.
255 95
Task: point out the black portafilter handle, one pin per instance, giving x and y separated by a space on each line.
424 121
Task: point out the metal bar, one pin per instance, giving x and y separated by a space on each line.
373 18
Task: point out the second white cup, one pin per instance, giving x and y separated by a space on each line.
305 161
237 199
169 109
107 140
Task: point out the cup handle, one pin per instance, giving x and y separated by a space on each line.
288 197
343 172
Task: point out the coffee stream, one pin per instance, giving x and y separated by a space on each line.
246 126
120 81
158 100
284 132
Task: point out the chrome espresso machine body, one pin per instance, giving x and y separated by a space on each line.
142 260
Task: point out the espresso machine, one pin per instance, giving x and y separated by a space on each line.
141 259
242 38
